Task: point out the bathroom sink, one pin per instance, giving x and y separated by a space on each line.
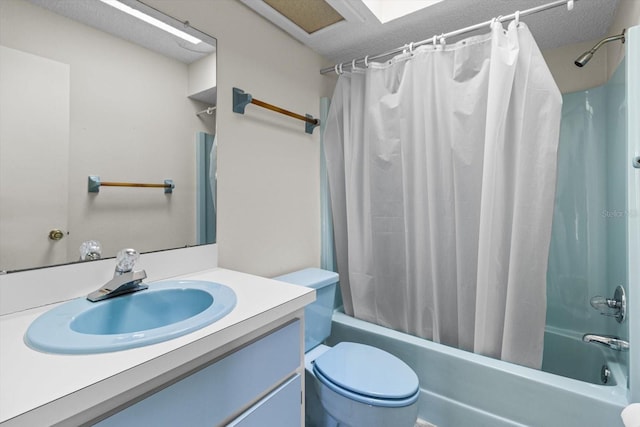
165 311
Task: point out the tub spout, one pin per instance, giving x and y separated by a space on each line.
613 343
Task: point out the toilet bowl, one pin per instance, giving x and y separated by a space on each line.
350 384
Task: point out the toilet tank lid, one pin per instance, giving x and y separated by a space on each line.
310 277
368 371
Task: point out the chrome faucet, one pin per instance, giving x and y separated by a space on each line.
125 280
612 342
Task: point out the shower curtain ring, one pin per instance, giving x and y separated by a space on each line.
411 47
570 4
340 68
336 69
366 61
435 41
443 41
496 20
517 20
353 65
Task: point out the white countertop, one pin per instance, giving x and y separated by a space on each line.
35 385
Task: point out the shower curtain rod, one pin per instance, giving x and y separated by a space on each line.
337 68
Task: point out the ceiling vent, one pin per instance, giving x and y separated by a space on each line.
310 15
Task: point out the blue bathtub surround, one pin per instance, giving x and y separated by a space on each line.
588 251
633 202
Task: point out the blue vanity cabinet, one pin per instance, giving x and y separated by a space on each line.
280 408
257 385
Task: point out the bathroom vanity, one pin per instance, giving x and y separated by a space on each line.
240 371
220 391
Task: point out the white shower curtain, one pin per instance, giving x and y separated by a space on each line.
442 169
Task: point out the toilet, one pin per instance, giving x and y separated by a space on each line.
350 384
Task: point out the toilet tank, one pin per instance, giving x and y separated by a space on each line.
317 315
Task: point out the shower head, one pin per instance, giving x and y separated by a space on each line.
586 57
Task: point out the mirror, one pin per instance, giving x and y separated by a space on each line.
88 90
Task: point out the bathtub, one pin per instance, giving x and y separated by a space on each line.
566 354
462 389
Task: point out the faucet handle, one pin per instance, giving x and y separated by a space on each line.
90 250
126 259
612 307
603 304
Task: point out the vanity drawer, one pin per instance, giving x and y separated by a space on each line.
223 389
282 407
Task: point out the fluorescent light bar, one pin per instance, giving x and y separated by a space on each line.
388 10
151 20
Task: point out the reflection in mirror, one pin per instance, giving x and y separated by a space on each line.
88 90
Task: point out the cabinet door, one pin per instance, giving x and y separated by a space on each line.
282 408
221 390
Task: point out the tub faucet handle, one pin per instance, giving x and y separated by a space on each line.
612 307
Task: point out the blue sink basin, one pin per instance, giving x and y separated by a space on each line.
164 311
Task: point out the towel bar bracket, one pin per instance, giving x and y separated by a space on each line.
240 100
310 125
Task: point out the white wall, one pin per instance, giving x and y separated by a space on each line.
627 15
604 63
122 128
202 75
268 168
570 78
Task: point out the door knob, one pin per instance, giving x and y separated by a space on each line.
56 234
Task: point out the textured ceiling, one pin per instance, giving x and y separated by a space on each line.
362 34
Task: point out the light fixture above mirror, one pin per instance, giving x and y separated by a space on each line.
130 19
152 21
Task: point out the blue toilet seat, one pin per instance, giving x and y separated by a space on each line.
368 375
